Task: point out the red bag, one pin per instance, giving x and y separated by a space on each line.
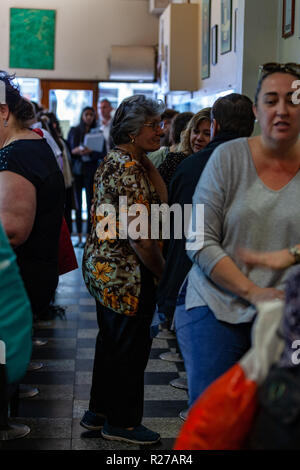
222 416
66 255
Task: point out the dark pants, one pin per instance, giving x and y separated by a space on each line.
122 351
69 204
86 181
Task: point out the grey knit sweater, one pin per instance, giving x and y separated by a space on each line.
240 211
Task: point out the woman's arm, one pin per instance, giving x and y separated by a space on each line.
280 259
213 190
17 207
150 254
227 275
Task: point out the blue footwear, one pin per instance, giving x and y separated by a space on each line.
92 421
139 435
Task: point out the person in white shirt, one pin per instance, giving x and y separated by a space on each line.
105 117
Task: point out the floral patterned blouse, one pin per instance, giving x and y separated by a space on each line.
111 268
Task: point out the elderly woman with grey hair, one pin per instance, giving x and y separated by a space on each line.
121 272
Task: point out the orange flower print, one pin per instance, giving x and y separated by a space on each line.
101 269
132 302
129 164
110 299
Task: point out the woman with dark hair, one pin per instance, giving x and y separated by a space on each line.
85 163
121 271
31 198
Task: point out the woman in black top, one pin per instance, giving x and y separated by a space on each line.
85 163
31 198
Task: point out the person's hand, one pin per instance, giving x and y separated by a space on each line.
273 259
86 151
263 294
77 150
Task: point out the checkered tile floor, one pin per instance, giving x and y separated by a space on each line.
65 379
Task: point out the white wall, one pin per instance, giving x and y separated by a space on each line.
289 48
85 30
260 40
257 43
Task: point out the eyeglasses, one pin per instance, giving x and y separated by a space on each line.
290 67
155 125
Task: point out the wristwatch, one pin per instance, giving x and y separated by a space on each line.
295 251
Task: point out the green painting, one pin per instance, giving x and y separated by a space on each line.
32 35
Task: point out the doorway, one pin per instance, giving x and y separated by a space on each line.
67 98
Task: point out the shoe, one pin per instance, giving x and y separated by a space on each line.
92 421
34 366
165 334
139 435
14 431
37 342
180 382
184 414
171 357
27 391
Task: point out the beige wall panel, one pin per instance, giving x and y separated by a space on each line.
85 30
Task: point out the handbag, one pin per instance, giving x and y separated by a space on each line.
66 255
277 423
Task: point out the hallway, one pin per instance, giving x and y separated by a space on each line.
64 381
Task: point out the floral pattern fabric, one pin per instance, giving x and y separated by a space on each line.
111 268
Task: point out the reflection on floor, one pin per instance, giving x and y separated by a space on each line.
64 381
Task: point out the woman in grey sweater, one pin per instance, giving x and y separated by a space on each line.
250 189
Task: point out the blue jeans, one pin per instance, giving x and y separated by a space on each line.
209 347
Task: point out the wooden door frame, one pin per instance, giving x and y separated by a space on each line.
47 85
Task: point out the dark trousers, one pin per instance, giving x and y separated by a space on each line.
122 351
86 181
68 208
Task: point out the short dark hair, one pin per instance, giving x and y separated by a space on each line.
130 116
21 108
105 100
178 125
169 113
234 113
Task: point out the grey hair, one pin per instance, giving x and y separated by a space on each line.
130 116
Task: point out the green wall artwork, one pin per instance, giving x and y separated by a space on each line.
32 36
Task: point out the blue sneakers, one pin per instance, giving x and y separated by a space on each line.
139 435
92 421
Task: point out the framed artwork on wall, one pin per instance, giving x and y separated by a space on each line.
32 37
206 8
226 26
214 44
288 18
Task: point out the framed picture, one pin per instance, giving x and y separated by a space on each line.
288 18
214 44
206 8
32 37
226 26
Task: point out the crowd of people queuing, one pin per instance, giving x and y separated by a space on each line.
249 186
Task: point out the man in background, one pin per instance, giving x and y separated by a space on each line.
105 118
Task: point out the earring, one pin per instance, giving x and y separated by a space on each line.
5 123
